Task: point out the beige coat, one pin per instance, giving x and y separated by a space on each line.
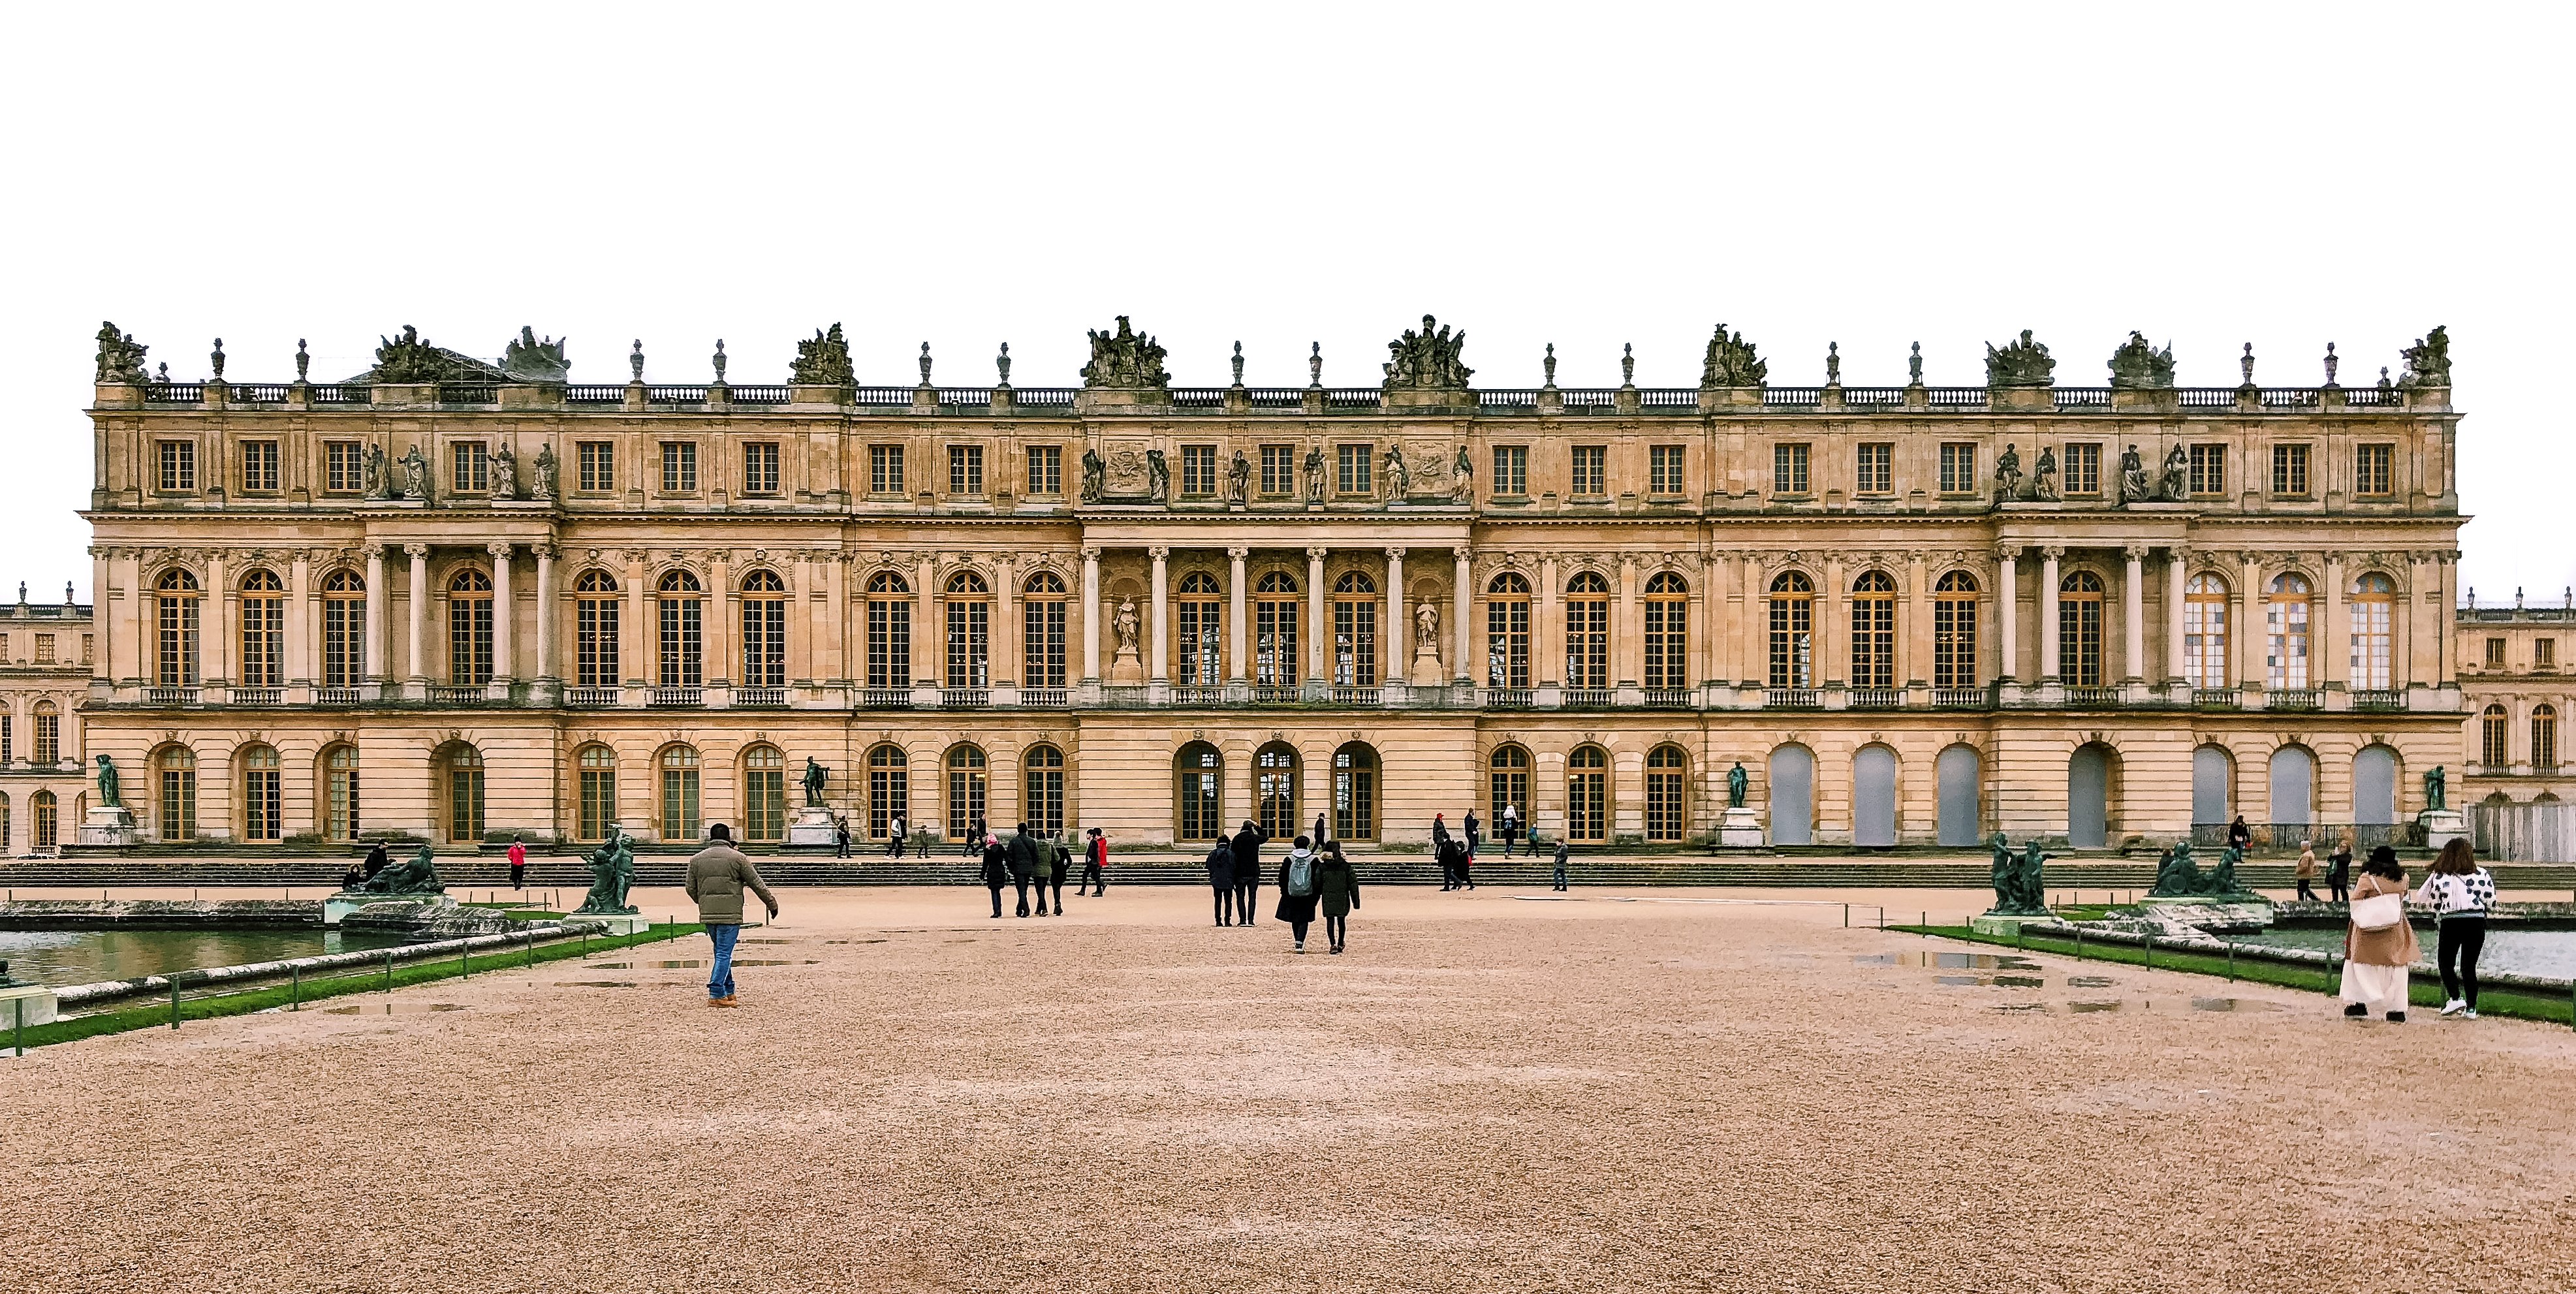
717 877
2394 946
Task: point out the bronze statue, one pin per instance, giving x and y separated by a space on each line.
1736 785
815 776
612 873
2020 889
418 875
108 782
2436 787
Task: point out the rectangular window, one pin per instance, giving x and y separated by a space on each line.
1591 472
344 651
471 467
969 642
1664 469
760 467
1877 469
966 470
1352 463
683 642
1959 467
1278 470
2373 475
1198 471
86 642
1511 471
1793 642
178 464
597 473
2495 653
44 649
885 469
2083 469
49 737
344 466
2209 469
2544 652
1046 469
1788 469
259 467
1954 640
679 467
2290 470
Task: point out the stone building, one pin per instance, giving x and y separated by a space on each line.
46 655
2519 693
465 599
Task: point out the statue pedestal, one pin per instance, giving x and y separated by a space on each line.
618 923
108 824
27 1004
2005 923
2242 914
2442 826
813 832
341 904
1127 668
1740 829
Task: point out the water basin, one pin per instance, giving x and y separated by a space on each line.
60 957
2550 953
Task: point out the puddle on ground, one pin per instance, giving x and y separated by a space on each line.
1875 959
658 965
1956 961
2089 981
2081 1008
2022 1006
1991 981
594 983
394 1008
754 961
2233 1004
760 941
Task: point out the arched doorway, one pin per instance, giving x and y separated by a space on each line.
2091 773
1587 801
1198 792
1667 795
764 794
461 779
2213 785
1958 769
680 792
889 789
1274 790
340 793
2374 786
1355 792
2294 786
1874 796
1793 796
968 786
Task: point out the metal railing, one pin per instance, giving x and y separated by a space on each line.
2215 698
259 696
964 698
590 697
676 696
886 698
1045 696
768 697
169 696
1792 698
2295 698
1875 698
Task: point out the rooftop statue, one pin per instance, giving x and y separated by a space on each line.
542 486
1731 362
2019 363
1125 359
2428 362
2043 478
2134 487
1427 360
120 357
824 361
2137 366
505 472
2174 485
410 358
418 875
530 360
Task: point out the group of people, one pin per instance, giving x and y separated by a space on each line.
1029 860
2379 944
1312 878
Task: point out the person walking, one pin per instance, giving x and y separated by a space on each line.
997 870
2339 872
718 874
518 862
1297 891
920 841
1464 856
1059 861
2378 946
1337 893
1247 869
1557 882
2462 895
975 833
897 827
1220 869
1024 865
1441 851
1095 862
841 832
2240 835
1474 832
2307 872
1510 827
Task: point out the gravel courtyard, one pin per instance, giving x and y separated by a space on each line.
1488 1093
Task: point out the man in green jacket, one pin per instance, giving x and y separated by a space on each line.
718 875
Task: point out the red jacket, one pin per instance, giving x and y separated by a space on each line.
1099 851
518 854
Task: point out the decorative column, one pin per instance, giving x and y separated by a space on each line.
215 658
929 637
2008 603
1090 615
1319 631
1004 631
1627 634
502 665
2177 571
630 652
374 666
548 681
1832 627
1918 626
2248 640
718 633
1162 613
1396 638
2133 611
2329 656
1549 668
299 619
1234 612
418 607
2048 644
1462 607
102 677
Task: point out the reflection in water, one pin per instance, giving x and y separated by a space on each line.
87 956
2550 953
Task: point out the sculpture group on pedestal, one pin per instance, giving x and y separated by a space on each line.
2021 886
2137 366
410 358
612 874
823 361
2021 363
2179 877
418 875
1125 359
120 357
1427 360
1730 361
527 359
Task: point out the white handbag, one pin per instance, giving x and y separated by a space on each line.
2379 911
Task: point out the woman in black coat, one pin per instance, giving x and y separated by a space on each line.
1297 873
1220 868
997 870
1337 889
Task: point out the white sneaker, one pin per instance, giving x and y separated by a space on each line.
2454 1007
2470 1015
1301 945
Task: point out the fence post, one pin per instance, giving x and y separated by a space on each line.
22 1029
389 970
174 999
1846 916
2151 952
2231 961
295 988
465 957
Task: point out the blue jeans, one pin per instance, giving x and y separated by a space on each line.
720 966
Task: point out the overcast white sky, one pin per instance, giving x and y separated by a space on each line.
1586 175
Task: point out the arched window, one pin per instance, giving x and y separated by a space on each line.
1587 632
889 631
1274 790
175 769
966 790
598 792
340 793
263 630
261 802
469 629
1587 800
1275 662
1667 631
595 640
47 823
2544 739
889 789
968 610
1507 782
1202 643
680 818
764 794
4 823
1873 643
2285 633
764 631
1793 631
1042 784
681 608
1042 622
2373 612
1355 792
461 769
2204 632
344 629
1507 632
175 613
49 734
1667 794
2495 738
1355 630
2079 630
1198 792
1954 631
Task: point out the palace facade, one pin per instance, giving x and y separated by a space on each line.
468 599
2519 691
47 652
